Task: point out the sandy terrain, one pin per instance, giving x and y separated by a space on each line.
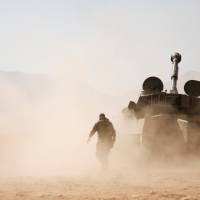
162 185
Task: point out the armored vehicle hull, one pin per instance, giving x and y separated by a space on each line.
161 111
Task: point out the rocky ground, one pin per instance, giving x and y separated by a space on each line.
161 185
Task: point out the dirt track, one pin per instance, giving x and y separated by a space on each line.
162 185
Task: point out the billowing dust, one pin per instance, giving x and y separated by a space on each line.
44 154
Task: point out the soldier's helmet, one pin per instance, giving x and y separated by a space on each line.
102 116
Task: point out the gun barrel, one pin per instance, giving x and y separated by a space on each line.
175 58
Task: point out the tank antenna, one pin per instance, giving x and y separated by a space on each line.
175 58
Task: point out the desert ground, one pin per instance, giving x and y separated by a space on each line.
151 184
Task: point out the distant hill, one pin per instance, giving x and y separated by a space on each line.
31 85
22 92
18 90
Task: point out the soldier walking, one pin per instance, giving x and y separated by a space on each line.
106 139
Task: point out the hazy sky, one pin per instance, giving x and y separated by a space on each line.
110 44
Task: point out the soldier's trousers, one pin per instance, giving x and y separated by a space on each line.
102 152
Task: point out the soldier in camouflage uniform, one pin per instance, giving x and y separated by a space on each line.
106 139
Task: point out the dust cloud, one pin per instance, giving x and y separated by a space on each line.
46 134
44 154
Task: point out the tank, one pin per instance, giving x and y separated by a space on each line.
164 111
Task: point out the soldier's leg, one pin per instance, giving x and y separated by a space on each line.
102 155
104 159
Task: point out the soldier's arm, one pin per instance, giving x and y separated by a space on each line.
92 132
113 133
